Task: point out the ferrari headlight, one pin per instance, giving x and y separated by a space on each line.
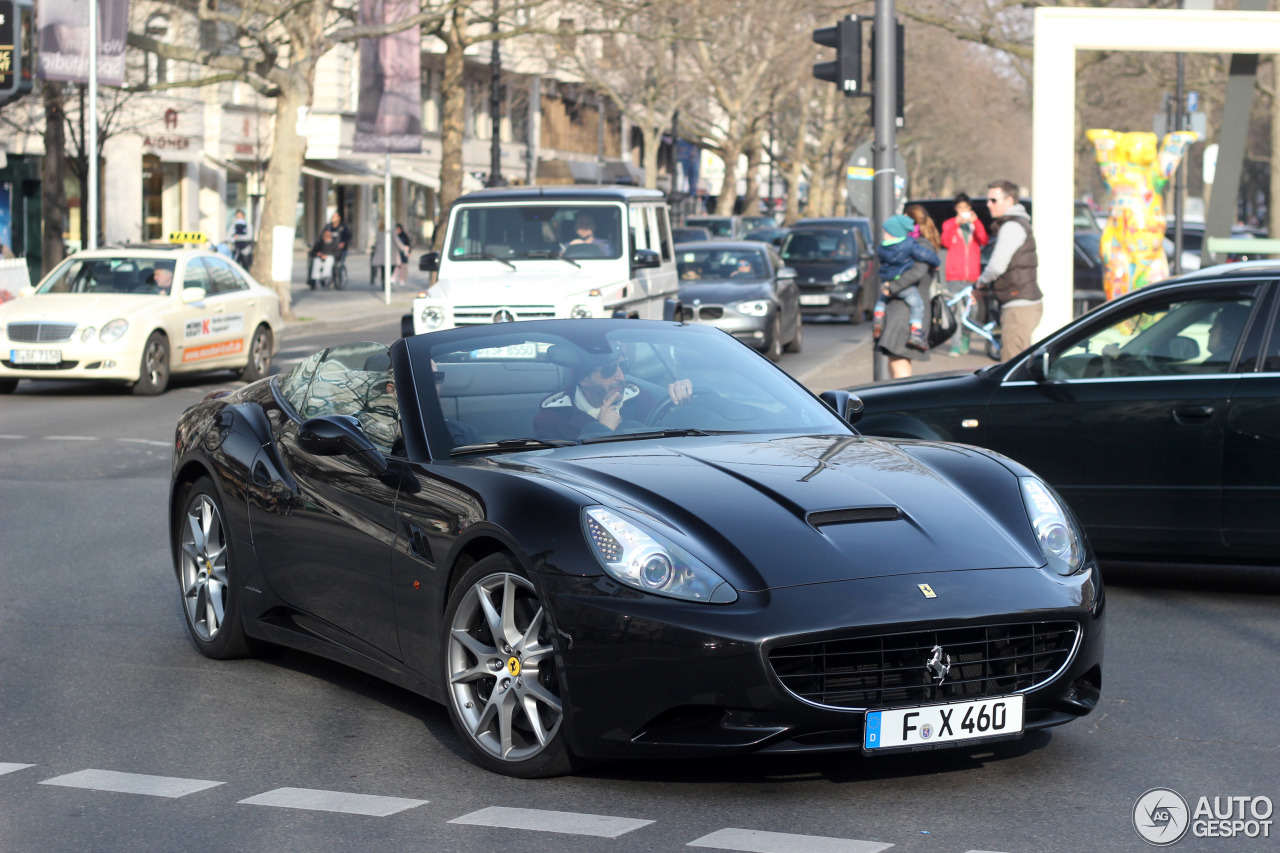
1059 538
87 334
580 312
647 561
756 308
113 331
432 317
845 275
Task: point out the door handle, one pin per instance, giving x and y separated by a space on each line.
1192 414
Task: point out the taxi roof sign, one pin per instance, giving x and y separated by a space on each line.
188 237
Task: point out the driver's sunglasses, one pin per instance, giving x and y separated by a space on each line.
613 367
437 376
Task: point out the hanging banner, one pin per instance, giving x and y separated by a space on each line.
64 40
389 112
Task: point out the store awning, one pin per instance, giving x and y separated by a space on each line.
348 172
225 165
414 172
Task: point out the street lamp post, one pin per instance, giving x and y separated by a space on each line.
495 106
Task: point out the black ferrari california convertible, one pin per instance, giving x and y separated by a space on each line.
599 539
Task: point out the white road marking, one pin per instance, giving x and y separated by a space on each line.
18 437
538 820
333 801
131 783
71 438
149 441
13 768
755 841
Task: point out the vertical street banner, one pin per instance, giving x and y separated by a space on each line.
64 40
389 112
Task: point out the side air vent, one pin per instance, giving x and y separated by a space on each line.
854 515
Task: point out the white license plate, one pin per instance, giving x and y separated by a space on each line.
815 299
529 350
926 726
35 356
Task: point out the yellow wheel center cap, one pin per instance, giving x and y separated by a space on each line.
513 665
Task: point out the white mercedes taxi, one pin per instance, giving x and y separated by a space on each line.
138 315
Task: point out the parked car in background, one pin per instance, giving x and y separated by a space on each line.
774 236
862 223
721 227
690 235
736 573
835 269
1193 245
744 289
137 316
1156 416
750 223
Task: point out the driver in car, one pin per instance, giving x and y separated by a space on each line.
599 399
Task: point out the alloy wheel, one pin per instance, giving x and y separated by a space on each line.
502 677
204 568
156 362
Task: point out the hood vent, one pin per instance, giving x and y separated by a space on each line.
853 515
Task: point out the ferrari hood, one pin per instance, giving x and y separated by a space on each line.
813 509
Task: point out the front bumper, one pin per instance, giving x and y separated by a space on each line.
121 360
839 299
752 331
650 677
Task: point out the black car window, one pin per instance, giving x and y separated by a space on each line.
1179 335
223 278
818 245
736 265
294 384
356 380
197 275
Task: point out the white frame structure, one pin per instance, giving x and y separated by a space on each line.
1059 33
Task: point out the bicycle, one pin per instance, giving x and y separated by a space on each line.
961 304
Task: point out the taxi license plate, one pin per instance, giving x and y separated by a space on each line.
928 726
35 356
815 299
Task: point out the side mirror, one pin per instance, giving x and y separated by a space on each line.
429 262
846 405
193 294
646 259
786 273
1038 365
341 435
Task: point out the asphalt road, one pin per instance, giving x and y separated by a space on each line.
99 679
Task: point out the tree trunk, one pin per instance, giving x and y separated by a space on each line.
53 193
284 181
751 199
652 137
730 150
452 119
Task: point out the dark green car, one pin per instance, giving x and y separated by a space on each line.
1157 416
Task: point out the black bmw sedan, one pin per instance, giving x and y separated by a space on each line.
743 288
598 539
1156 416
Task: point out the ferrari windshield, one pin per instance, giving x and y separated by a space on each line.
545 383
111 275
535 232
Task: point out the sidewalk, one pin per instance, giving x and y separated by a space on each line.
356 305
854 367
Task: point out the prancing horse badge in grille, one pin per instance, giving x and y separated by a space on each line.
938 665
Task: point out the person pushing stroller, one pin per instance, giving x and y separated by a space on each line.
905 264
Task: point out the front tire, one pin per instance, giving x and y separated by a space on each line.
797 340
206 576
8 386
259 356
153 376
773 344
500 673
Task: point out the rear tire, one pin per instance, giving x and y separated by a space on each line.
153 377
7 386
207 583
498 666
773 344
259 363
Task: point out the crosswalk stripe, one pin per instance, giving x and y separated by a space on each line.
333 801
539 820
13 768
755 841
131 783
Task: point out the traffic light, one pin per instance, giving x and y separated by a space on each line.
846 70
17 54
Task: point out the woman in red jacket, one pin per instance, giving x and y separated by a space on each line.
963 237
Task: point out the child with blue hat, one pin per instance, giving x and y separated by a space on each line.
905 263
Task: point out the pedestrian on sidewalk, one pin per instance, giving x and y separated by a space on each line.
402 247
1011 274
905 264
963 236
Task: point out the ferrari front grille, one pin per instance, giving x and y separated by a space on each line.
888 670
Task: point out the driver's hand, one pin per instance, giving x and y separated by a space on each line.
611 410
680 391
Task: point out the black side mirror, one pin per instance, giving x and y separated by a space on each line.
341 435
429 262
646 259
846 405
1038 365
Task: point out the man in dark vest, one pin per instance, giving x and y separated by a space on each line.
1011 272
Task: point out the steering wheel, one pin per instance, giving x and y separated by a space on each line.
664 408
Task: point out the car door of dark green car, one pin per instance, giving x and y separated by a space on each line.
1129 421
1251 469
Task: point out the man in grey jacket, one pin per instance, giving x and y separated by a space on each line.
1011 272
